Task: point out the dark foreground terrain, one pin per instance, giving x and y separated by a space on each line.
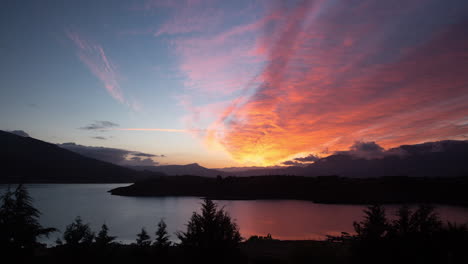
211 236
326 189
252 251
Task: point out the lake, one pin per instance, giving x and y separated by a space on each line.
125 216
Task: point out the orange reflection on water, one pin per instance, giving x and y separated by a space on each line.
298 220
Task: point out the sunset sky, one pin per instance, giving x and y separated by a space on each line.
234 83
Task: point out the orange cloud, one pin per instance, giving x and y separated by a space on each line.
331 80
294 77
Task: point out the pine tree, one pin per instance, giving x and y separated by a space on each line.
19 220
162 237
375 224
103 238
211 237
143 239
212 229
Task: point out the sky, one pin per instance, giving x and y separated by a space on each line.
234 83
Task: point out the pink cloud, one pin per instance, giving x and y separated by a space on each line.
318 75
95 58
320 90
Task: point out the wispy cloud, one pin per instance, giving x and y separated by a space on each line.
100 125
114 155
100 138
95 58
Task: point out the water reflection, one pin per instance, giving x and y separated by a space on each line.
284 219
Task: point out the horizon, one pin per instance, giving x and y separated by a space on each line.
239 84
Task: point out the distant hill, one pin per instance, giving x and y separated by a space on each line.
447 158
25 159
189 169
326 189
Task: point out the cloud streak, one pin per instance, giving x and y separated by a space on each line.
113 155
100 125
94 57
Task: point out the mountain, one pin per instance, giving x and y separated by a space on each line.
30 160
25 159
189 169
448 158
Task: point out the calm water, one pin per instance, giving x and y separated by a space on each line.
284 219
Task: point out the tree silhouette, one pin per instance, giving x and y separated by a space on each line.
162 237
402 225
375 224
19 221
211 234
78 234
143 239
413 237
103 238
370 244
425 220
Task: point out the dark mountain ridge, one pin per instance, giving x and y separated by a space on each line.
29 160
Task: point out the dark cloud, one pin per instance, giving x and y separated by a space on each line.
302 161
19 133
98 125
100 138
309 158
366 147
139 154
292 163
365 150
113 155
137 161
371 150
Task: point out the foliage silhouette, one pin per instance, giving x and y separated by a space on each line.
143 239
19 222
268 237
103 239
162 237
78 234
211 236
414 236
374 225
